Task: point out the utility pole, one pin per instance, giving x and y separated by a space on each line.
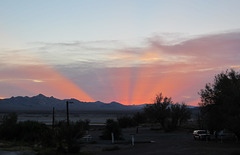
53 118
68 112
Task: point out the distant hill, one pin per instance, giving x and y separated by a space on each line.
44 103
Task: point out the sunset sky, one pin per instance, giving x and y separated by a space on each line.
116 50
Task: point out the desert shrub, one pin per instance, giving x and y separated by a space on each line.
31 131
67 135
139 118
27 131
126 121
83 125
8 128
111 127
168 114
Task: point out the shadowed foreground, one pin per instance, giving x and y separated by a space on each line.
164 143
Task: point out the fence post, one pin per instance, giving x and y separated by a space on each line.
132 139
112 137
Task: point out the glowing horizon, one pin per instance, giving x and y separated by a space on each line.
96 51
136 79
38 77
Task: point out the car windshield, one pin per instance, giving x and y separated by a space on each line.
202 132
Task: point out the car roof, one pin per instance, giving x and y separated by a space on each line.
199 130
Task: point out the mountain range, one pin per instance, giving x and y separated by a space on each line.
44 103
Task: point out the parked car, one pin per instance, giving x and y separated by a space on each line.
226 135
201 135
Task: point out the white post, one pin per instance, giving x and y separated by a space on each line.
112 138
132 140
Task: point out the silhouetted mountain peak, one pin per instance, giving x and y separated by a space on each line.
115 103
41 102
40 96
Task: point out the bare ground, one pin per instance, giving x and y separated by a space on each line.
174 143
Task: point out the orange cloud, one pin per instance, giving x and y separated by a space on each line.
53 82
129 75
236 66
37 77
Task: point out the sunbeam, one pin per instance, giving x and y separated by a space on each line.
36 77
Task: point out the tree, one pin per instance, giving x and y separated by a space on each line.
139 117
111 127
9 119
27 131
8 128
168 114
34 132
220 102
160 110
68 134
126 121
179 114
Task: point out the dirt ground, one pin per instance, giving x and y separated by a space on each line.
156 142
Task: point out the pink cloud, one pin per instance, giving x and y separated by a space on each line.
131 75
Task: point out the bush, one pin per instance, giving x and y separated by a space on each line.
83 125
27 131
139 117
67 135
8 128
33 132
126 121
111 127
168 114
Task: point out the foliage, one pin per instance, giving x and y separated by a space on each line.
179 114
9 119
68 134
126 121
220 102
83 125
111 127
33 132
160 110
135 120
27 131
169 115
8 128
139 117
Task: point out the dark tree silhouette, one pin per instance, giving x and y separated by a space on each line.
139 118
32 132
165 112
111 127
126 121
220 102
69 134
160 110
27 131
179 114
8 128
